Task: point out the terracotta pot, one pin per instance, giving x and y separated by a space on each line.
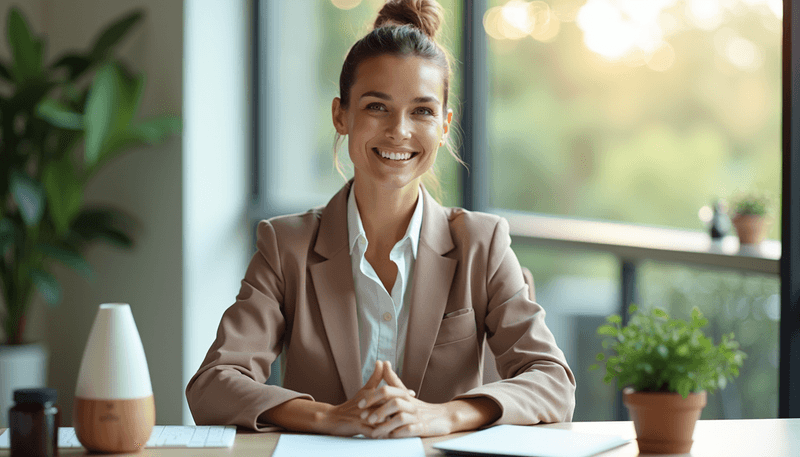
751 229
664 421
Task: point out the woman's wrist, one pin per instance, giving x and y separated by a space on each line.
472 413
299 415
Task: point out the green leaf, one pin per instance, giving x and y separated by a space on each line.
153 131
29 196
106 224
614 319
113 100
69 257
47 286
59 115
64 192
26 51
6 234
607 330
658 312
113 34
5 73
75 64
600 357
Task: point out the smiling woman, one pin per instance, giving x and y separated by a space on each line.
381 300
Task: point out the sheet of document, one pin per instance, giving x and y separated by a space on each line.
335 446
516 440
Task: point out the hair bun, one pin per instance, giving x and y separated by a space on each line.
425 15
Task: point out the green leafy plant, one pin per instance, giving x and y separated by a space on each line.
655 353
753 204
60 124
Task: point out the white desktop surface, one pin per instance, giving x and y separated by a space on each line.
716 438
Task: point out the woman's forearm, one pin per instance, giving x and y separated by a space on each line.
299 415
472 413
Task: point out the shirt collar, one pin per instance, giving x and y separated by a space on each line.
355 228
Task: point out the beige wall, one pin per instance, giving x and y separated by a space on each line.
146 183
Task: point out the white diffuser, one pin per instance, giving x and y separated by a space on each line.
114 407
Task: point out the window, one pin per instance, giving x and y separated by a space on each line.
633 111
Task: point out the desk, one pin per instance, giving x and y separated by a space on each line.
716 438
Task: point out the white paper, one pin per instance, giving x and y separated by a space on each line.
516 440
335 446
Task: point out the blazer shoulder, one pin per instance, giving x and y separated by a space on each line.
291 229
473 226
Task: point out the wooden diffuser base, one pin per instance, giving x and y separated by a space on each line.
114 426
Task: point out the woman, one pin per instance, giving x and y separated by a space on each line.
381 300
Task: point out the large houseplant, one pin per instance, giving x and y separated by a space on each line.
62 121
665 367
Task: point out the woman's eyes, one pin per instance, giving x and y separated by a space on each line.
381 108
376 107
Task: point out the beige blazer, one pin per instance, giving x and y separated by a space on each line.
298 296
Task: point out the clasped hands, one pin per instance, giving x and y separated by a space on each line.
388 411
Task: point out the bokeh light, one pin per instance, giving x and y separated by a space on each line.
346 4
517 19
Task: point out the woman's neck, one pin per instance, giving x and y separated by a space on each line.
385 213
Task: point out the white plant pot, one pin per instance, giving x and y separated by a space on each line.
21 366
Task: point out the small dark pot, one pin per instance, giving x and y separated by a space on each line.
664 421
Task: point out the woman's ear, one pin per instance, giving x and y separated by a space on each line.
338 114
446 126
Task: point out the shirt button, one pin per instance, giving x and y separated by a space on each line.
387 317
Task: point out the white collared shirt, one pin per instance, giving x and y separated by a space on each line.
382 317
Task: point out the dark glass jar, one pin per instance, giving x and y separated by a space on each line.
34 422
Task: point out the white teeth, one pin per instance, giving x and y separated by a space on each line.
395 155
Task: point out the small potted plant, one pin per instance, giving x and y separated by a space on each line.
751 217
666 367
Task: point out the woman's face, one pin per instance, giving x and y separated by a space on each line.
395 119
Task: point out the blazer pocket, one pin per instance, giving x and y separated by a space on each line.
456 325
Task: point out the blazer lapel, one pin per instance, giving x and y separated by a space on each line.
433 274
333 283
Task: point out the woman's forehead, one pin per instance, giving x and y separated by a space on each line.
400 77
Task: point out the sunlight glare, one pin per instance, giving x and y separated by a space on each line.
547 32
515 19
491 23
743 53
705 14
663 58
346 4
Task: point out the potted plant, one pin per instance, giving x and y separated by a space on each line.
751 217
665 367
61 122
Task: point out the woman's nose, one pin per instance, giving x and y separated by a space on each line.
399 128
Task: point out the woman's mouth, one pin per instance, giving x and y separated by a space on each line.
394 155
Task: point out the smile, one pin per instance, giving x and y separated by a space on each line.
392 155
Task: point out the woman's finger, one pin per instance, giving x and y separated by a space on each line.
406 431
391 377
386 410
381 395
376 377
398 420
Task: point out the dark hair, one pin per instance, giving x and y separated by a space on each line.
403 27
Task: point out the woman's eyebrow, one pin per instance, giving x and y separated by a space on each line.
385 96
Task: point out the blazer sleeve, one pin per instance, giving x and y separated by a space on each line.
229 388
537 385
